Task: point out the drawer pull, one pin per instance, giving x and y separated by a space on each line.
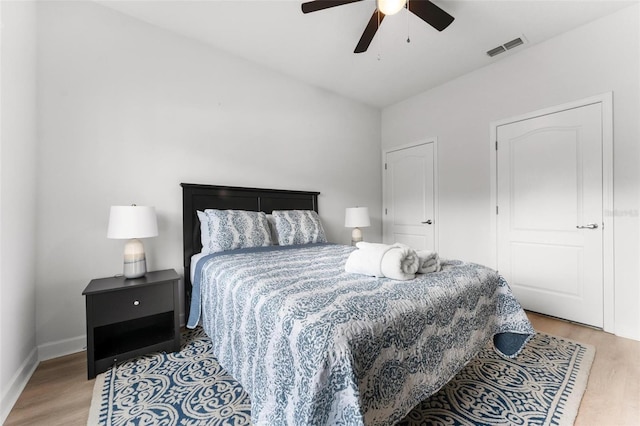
136 302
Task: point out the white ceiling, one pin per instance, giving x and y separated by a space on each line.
317 48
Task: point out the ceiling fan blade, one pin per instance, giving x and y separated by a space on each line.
314 6
430 13
369 31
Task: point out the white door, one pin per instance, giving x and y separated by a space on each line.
409 204
550 212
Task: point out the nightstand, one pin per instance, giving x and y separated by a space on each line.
131 317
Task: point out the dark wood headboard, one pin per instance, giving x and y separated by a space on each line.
200 197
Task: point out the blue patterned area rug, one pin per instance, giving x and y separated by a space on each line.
542 386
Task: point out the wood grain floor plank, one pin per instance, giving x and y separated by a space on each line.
58 393
612 397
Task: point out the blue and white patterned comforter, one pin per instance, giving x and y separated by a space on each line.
315 345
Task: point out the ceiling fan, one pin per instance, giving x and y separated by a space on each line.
424 9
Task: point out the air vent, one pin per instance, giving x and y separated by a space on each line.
513 43
507 46
496 51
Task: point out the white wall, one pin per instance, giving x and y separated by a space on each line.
599 57
17 199
129 111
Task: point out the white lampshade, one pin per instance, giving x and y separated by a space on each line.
133 222
357 217
390 7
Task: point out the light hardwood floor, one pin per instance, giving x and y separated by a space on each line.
60 394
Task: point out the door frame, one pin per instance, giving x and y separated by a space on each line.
436 216
608 278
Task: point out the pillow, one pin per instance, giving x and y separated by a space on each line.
222 230
298 227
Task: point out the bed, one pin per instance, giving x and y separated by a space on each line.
313 344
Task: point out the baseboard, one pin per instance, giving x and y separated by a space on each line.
630 336
17 384
61 348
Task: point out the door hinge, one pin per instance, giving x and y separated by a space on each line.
496 209
385 166
385 211
496 145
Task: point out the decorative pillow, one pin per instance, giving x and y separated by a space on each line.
222 230
298 227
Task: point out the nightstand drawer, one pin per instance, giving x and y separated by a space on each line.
118 306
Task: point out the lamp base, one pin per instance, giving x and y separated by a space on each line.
356 236
135 262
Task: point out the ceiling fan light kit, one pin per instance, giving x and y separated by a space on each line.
390 7
423 9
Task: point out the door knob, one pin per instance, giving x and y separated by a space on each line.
427 222
588 226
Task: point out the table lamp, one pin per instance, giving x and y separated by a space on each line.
133 222
356 218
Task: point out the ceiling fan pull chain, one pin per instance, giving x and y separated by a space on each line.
407 6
